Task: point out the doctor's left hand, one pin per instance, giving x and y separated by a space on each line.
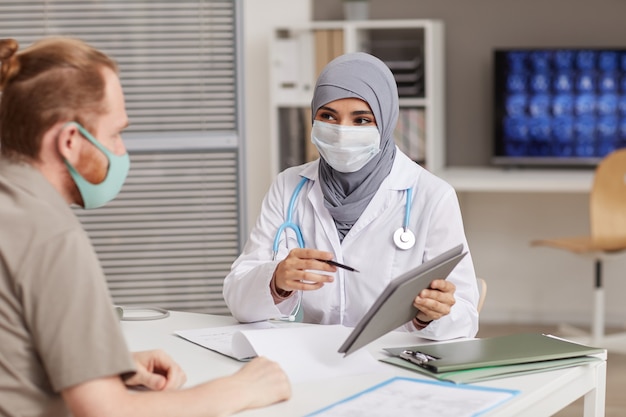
435 301
297 270
157 371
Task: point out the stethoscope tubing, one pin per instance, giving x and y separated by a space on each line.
289 224
407 208
403 238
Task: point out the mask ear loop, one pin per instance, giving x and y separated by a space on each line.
294 313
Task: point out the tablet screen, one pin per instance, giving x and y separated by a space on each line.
394 307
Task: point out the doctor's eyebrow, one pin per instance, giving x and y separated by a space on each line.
354 113
330 109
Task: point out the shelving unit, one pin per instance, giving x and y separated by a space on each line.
508 180
413 49
298 53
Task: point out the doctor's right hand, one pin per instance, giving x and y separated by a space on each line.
298 271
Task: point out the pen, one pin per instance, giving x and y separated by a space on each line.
338 265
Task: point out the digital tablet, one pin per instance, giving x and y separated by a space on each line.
394 307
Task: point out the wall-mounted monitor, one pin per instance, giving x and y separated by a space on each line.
558 106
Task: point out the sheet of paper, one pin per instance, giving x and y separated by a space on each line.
309 352
305 353
415 397
220 339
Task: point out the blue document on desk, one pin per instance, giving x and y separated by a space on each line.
417 397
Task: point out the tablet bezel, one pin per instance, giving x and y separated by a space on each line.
394 306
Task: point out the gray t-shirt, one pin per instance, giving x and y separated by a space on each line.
57 324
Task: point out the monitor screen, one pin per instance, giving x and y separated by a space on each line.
559 106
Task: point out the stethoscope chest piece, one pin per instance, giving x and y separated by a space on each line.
404 238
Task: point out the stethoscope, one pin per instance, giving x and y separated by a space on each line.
403 238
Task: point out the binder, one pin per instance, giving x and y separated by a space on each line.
482 359
394 306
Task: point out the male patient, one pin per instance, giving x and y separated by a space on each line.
61 347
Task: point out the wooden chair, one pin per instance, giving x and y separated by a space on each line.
482 293
607 208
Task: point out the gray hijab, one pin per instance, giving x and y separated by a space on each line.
363 76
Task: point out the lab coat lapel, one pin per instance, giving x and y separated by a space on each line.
378 205
401 177
316 198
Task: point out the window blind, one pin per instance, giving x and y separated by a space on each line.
170 237
177 58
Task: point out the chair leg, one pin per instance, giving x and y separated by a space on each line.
615 342
597 328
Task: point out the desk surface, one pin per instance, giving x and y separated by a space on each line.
542 394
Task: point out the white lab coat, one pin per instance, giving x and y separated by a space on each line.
435 219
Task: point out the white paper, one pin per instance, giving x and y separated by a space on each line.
309 352
304 352
414 397
220 338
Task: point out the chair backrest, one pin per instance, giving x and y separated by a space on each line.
607 205
482 292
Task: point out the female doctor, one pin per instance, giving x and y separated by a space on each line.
363 203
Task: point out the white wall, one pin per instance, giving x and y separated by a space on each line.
537 284
260 17
526 284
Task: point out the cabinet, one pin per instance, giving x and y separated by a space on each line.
414 51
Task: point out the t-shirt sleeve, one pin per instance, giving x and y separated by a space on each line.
70 314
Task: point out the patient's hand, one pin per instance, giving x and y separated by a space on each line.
157 371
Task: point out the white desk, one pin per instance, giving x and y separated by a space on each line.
542 394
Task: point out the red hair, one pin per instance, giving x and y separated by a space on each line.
56 79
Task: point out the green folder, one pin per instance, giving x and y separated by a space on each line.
495 357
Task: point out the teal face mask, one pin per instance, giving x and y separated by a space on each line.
97 195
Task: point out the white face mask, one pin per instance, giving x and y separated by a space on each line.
345 148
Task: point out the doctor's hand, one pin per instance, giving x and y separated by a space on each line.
297 271
157 371
435 301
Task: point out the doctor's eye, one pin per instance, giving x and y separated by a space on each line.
364 121
325 116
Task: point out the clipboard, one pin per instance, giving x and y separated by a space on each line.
394 307
532 350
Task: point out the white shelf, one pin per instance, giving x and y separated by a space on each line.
294 54
498 179
293 76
